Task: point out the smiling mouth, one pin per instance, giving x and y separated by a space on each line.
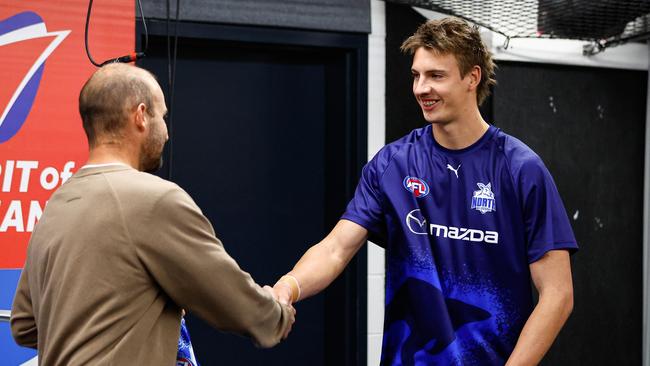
429 104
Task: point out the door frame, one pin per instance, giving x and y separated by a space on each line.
345 332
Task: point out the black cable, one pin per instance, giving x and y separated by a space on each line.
92 61
144 25
171 75
169 55
170 131
171 98
128 58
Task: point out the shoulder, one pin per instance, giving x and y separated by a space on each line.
141 182
136 188
520 157
147 200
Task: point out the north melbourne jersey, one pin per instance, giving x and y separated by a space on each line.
460 228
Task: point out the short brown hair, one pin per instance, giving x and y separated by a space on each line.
108 97
454 36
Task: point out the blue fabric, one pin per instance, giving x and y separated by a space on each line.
185 355
12 354
8 283
460 228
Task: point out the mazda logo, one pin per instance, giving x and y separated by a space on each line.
416 222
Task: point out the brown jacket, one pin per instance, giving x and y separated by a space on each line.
115 256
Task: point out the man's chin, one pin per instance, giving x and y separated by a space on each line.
435 120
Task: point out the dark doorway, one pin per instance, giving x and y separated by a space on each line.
268 137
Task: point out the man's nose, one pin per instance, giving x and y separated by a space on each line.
421 87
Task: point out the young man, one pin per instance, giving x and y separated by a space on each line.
467 214
118 252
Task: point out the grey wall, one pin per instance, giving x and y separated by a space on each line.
328 15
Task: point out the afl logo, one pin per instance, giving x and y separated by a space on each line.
417 186
23 58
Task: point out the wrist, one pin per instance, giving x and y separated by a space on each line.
292 284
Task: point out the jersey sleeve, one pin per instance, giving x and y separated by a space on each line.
546 222
365 208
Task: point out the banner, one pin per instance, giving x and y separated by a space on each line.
43 66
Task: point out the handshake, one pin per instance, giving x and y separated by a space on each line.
286 291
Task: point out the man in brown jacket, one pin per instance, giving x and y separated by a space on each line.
118 252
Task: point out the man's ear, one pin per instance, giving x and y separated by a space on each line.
474 76
140 116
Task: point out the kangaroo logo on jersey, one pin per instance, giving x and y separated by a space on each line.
417 186
432 322
23 32
483 199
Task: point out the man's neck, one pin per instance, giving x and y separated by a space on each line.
460 133
110 154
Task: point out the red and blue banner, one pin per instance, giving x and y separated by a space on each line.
43 66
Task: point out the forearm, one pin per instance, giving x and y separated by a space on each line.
323 262
542 328
317 268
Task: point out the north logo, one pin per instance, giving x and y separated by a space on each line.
23 34
417 186
483 199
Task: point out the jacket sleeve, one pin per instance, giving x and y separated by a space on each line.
23 324
181 252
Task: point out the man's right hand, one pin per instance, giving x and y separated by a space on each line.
284 300
283 292
286 333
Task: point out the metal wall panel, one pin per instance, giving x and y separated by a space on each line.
328 15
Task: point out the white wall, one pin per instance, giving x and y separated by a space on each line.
376 139
631 56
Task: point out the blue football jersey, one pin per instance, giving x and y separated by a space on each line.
185 355
460 228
